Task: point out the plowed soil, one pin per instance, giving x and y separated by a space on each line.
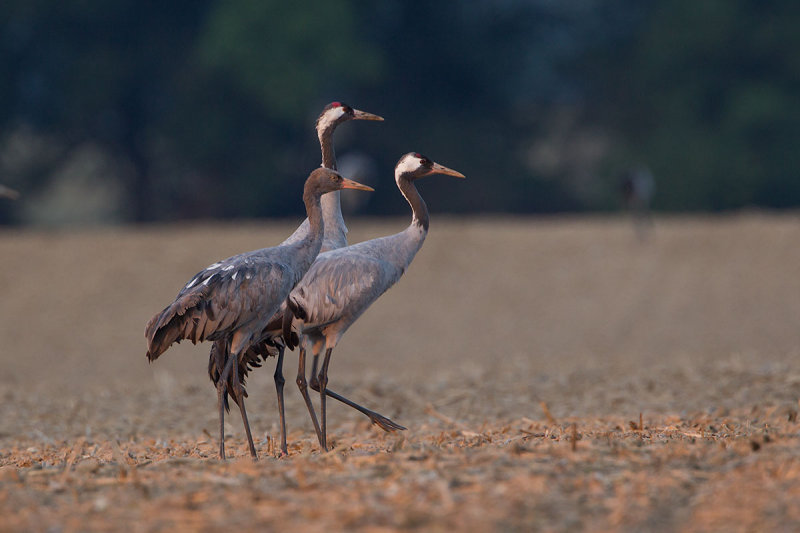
553 374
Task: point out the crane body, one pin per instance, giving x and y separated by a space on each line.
271 342
232 301
343 283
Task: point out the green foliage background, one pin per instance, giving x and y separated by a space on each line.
205 108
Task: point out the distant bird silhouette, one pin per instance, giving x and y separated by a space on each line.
343 283
270 342
232 300
637 188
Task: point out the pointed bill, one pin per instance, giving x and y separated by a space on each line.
363 115
350 184
441 169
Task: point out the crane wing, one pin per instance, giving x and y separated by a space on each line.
220 299
341 285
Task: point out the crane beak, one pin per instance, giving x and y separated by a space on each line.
350 184
363 115
441 169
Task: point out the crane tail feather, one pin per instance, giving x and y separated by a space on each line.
180 320
290 339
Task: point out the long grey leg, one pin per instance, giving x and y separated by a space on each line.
303 385
314 383
221 402
323 384
279 381
222 390
376 418
239 392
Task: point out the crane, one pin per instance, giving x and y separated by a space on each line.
343 283
637 188
232 300
335 236
332 115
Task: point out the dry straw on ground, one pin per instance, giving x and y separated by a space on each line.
563 376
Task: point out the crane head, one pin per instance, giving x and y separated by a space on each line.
323 180
414 165
336 112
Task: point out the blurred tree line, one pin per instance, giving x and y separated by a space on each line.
139 110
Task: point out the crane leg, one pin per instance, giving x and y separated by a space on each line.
238 390
314 383
378 419
303 386
323 385
279 381
221 402
222 390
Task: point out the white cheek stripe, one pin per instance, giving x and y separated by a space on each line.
336 112
408 164
331 116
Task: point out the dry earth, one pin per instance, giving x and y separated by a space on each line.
553 374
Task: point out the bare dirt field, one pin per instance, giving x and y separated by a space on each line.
553 374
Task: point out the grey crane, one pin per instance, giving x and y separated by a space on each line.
335 236
332 115
343 283
232 300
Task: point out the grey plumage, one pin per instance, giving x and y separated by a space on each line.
232 301
335 235
332 115
343 283
230 296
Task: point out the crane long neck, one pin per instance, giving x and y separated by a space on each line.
335 229
315 220
326 145
418 208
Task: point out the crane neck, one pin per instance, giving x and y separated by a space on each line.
419 210
335 228
326 146
316 225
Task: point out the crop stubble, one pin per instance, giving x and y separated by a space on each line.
542 342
